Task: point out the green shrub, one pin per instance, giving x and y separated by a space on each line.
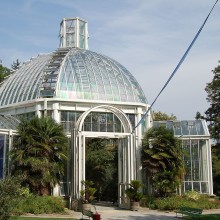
192 195
39 205
9 194
174 202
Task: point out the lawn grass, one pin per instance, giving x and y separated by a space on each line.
206 217
39 218
210 217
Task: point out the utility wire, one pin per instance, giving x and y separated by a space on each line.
177 67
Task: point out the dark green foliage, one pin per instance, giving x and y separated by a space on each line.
39 205
166 182
39 154
9 195
212 114
4 71
102 167
40 218
133 192
216 168
162 159
87 194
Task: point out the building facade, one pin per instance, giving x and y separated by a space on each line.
91 95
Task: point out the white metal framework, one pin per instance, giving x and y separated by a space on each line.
195 139
74 85
74 33
126 151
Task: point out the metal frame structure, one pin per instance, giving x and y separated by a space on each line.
73 79
196 143
126 152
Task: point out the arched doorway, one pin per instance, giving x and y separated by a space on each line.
126 151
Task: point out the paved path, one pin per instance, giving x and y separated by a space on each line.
114 213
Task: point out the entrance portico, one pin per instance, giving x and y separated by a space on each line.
126 151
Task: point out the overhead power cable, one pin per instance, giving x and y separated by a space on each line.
177 67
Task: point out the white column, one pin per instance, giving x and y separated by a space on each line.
133 162
64 33
74 164
56 190
45 107
77 33
124 161
84 157
38 112
138 146
80 159
56 114
119 171
210 177
56 117
128 155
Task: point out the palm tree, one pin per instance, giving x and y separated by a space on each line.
162 158
39 154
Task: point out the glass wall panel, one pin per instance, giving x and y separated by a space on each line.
95 121
68 119
2 148
184 125
117 125
203 159
65 188
196 186
102 122
187 160
132 119
27 115
110 123
204 187
195 160
188 186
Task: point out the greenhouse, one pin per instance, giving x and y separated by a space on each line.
195 139
92 96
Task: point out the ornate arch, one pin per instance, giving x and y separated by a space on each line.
119 113
126 151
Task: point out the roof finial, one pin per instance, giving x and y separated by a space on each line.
74 33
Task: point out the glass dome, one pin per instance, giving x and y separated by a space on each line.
72 74
24 84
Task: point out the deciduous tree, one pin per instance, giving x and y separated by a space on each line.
160 116
212 114
4 71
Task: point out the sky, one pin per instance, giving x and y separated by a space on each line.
148 37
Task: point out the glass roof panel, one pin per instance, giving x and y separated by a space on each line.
8 122
74 74
89 75
182 128
24 84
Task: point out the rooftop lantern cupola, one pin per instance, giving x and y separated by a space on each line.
74 33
